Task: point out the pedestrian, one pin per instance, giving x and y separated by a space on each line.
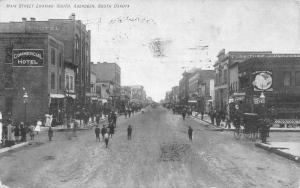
129 131
97 132
114 119
111 130
190 133
98 119
31 132
103 131
212 116
183 113
23 132
228 122
202 114
125 112
129 112
218 118
17 133
37 128
50 133
106 138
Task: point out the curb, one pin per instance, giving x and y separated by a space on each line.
278 152
13 147
222 129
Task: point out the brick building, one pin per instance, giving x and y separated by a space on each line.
31 63
109 73
200 87
76 40
222 80
276 75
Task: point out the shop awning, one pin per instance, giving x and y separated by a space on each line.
57 96
72 96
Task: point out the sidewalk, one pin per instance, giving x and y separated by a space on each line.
64 127
206 119
5 149
290 150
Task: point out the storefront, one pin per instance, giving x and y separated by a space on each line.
57 108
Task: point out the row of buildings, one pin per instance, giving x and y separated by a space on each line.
248 78
46 68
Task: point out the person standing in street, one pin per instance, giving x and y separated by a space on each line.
31 131
103 131
129 131
190 133
50 133
183 113
129 112
97 119
37 128
97 132
111 130
106 139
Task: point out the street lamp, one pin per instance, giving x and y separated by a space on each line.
25 97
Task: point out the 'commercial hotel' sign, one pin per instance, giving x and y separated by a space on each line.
28 57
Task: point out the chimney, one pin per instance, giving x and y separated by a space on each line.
24 19
72 17
32 19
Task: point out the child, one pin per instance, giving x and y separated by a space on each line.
97 132
50 133
190 133
106 138
129 131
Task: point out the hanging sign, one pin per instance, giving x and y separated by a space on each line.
28 57
262 81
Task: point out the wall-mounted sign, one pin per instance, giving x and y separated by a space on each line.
28 57
262 81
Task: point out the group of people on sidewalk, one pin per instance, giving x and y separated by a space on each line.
16 132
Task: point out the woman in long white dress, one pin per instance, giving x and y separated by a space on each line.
37 128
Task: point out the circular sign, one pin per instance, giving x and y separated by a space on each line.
263 81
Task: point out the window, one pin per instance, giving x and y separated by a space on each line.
71 83
287 79
52 56
52 80
297 78
225 76
67 82
8 105
60 60
59 84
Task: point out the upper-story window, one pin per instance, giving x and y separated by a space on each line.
52 56
60 60
67 82
287 78
52 80
297 78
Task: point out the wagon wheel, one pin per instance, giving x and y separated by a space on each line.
247 133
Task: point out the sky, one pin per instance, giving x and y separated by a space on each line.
155 41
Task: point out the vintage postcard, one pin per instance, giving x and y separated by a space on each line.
149 93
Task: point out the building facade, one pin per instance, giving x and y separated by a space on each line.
31 63
222 80
277 76
109 72
76 40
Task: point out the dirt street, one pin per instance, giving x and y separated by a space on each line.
159 155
